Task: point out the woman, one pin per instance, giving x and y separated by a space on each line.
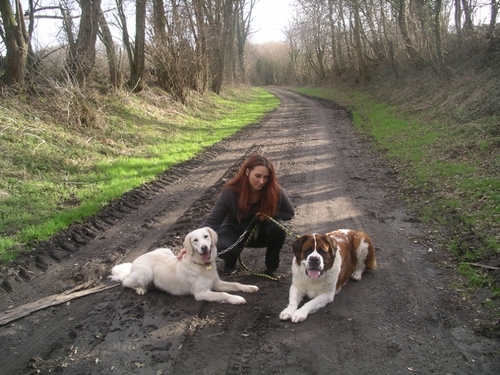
253 193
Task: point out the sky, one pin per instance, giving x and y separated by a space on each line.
269 18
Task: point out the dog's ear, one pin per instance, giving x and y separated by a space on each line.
332 243
213 236
297 246
187 244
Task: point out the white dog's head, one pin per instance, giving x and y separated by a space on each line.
202 242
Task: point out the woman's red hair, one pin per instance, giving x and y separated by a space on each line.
269 194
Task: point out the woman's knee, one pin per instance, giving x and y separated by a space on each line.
276 234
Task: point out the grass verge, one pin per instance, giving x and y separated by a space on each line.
57 170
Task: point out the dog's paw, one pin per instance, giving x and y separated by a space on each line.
140 291
299 316
237 300
287 314
356 275
251 289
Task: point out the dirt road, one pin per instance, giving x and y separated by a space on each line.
401 318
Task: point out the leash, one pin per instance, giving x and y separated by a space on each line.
252 227
241 237
249 238
284 228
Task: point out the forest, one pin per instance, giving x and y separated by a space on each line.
197 45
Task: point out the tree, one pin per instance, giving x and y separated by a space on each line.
413 54
362 70
243 22
200 29
106 37
337 61
81 57
139 63
135 51
493 20
221 21
16 39
171 53
468 10
314 31
160 45
443 70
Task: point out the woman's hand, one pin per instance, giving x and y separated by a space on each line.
261 217
181 254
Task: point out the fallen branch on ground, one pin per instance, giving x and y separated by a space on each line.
483 266
24 310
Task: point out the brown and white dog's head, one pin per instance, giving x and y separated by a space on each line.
202 243
316 252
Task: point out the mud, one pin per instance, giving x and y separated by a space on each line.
402 318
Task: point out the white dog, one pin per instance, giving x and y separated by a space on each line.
194 274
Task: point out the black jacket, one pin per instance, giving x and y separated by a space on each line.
225 211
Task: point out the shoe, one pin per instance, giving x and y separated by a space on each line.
229 270
272 273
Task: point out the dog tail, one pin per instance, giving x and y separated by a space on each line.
120 272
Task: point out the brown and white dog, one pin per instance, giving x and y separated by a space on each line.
322 265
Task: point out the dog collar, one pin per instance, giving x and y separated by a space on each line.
208 266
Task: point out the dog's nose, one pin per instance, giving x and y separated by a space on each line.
314 262
204 248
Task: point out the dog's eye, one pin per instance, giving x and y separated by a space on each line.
195 240
321 251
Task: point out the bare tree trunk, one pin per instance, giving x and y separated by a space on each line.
107 39
222 28
227 38
375 42
493 20
160 45
125 35
388 36
467 9
363 71
139 62
16 40
413 54
81 57
320 38
346 33
458 20
172 55
231 51
201 37
294 53
393 60
443 69
242 32
33 59
335 59
67 24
